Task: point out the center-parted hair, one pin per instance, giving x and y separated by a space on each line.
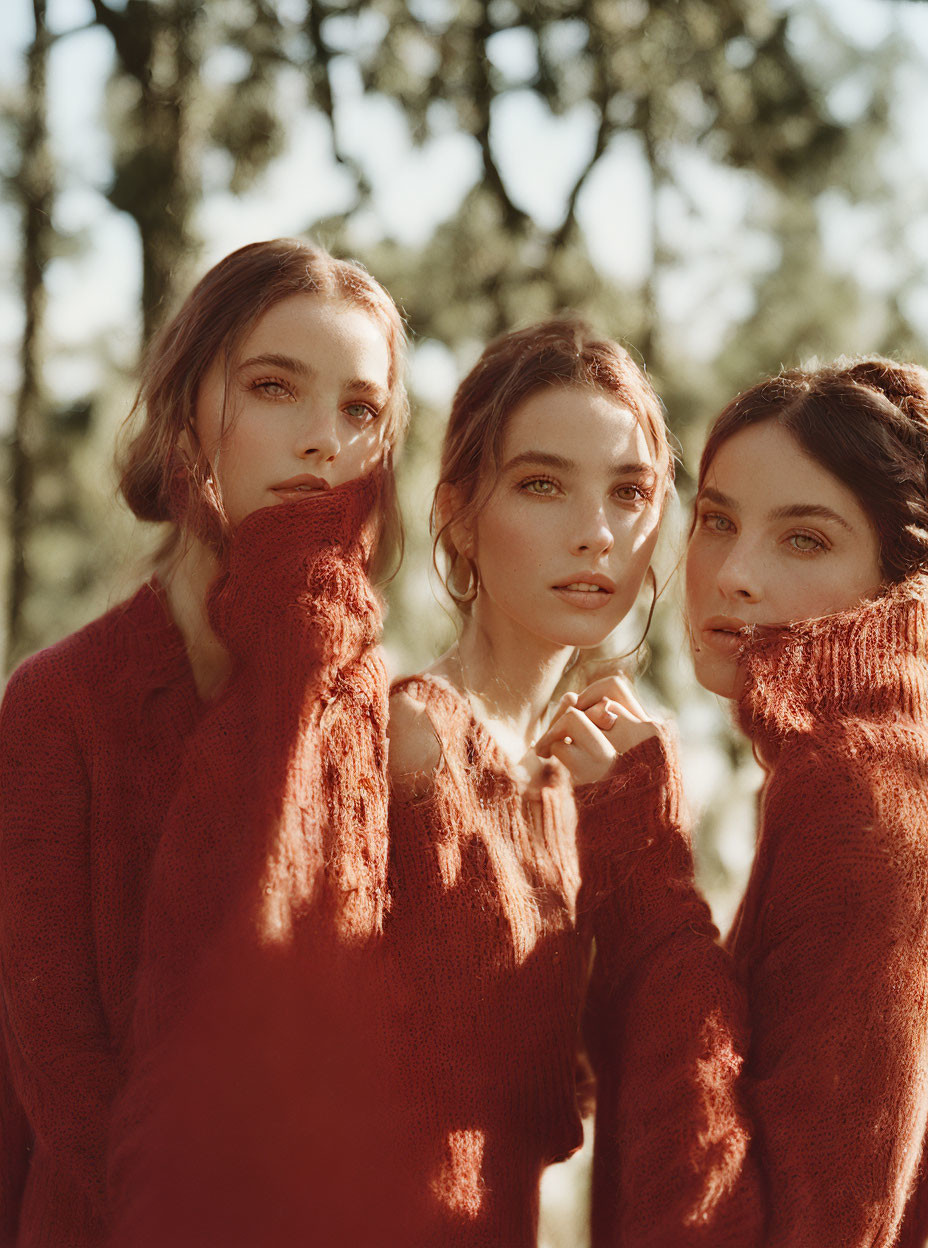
164 473
866 422
555 353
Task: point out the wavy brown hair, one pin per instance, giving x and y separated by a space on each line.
866 422
164 473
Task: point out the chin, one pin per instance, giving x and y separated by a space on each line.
720 679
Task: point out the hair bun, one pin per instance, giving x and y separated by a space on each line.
903 384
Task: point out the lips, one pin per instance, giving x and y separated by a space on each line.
724 634
587 590
301 486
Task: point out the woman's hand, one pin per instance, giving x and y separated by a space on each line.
591 729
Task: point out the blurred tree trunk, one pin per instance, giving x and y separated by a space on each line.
34 186
158 57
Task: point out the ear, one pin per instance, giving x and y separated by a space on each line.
449 504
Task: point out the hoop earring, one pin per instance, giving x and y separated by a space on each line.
473 584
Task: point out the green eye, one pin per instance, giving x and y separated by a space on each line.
361 412
805 542
538 485
717 523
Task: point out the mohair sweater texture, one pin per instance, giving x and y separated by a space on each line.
166 869
785 1101
486 959
92 736
254 1112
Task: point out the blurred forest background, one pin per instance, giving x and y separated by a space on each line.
726 185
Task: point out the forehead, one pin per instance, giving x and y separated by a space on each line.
308 322
577 423
765 466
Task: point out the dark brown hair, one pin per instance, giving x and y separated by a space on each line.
556 353
158 478
866 422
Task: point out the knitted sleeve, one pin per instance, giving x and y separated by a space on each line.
817 1141
284 780
836 959
61 1060
666 1025
268 886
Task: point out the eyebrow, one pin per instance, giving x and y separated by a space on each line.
549 460
278 361
796 511
793 511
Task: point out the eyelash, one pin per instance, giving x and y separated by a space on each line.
530 481
819 544
372 412
814 550
266 382
643 493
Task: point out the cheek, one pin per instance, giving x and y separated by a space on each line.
812 591
368 449
511 541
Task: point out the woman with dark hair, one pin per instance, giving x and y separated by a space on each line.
171 770
554 473
801 1054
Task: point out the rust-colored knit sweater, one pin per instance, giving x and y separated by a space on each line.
784 1100
252 1112
489 969
146 840
91 740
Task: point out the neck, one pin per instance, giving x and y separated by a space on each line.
186 579
508 674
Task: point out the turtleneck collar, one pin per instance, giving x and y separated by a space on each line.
868 662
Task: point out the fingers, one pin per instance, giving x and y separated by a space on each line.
616 689
603 714
575 729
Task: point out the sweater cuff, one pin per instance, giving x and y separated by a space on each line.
631 782
633 820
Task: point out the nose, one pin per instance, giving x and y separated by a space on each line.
740 575
593 534
319 436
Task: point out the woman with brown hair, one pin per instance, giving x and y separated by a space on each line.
554 474
167 766
786 1102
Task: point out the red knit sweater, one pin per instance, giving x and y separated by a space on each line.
802 1127
394 1082
486 959
135 818
91 739
254 1111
